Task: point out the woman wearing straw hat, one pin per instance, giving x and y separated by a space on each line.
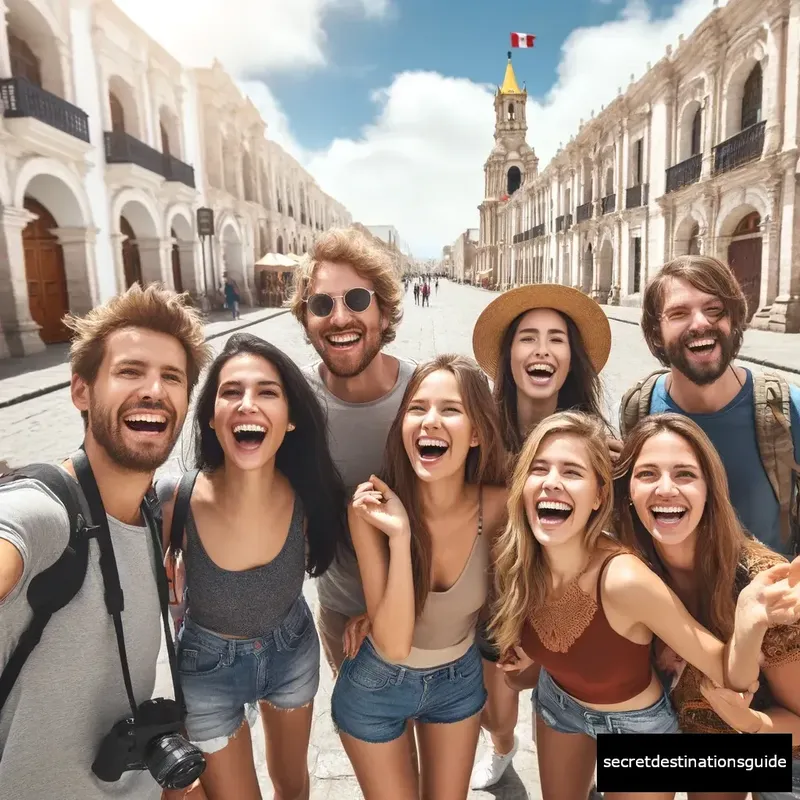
544 346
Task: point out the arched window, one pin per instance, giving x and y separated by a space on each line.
24 63
164 139
514 180
751 98
117 113
279 245
512 114
697 127
749 225
694 241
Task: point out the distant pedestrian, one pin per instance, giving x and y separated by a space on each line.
231 290
437 286
426 294
416 293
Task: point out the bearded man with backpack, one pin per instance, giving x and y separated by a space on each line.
693 318
81 576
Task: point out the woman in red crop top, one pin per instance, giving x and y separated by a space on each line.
585 609
673 508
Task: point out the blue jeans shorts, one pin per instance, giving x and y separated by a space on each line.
374 700
566 715
793 795
224 679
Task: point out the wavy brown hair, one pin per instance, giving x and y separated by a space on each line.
721 540
581 390
485 464
709 275
520 567
351 246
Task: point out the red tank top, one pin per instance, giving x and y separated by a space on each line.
601 667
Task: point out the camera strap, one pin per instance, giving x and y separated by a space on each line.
114 598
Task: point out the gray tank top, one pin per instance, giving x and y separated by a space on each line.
244 603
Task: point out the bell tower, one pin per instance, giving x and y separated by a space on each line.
510 164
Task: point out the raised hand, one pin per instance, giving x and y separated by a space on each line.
614 448
732 707
773 596
377 504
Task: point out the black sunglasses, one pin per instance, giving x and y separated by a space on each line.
357 300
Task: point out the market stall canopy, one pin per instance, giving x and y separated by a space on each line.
277 260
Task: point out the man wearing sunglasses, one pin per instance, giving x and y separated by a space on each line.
348 299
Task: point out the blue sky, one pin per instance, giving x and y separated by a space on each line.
388 103
460 39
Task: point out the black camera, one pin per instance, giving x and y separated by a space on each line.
151 740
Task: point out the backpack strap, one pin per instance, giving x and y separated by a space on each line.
636 402
776 447
56 586
180 511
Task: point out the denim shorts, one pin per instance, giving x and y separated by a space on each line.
794 794
566 715
223 678
374 700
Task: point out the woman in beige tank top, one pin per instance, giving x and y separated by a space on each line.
423 540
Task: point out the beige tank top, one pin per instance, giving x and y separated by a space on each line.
446 628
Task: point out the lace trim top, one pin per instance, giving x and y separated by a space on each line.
781 646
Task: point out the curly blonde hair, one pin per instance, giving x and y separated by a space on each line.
520 568
351 246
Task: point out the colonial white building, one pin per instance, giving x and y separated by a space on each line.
108 147
699 155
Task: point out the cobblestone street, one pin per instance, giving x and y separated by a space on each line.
47 428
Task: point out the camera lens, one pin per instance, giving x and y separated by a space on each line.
174 762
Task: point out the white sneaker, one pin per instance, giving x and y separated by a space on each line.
492 767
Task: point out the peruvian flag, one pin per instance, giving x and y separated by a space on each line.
522 40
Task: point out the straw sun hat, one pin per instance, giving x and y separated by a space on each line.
587 315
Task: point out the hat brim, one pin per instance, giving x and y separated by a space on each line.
589 319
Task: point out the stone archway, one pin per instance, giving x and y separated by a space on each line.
744 258
56 266
182 252
140 244
233 258
605 271
687 240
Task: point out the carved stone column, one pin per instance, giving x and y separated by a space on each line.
773 84
21 332
77 246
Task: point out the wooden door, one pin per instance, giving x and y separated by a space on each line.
45 275
176 269
130 255
744 257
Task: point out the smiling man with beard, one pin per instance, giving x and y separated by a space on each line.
348 299
693 318
134 363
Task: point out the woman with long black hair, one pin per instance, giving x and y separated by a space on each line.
266 507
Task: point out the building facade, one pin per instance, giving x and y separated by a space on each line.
105 157
463 254
699 155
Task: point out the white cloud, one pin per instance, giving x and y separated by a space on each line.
419 165
247 36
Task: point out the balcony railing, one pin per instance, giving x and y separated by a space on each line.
609 203
177 171
537 230
685 173
563 222
122 148
739 149
584 212
21 98
636 196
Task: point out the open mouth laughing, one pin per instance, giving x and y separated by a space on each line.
249 436
431 449
540 372
343 339
152 423
702 346
552 513
668 515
